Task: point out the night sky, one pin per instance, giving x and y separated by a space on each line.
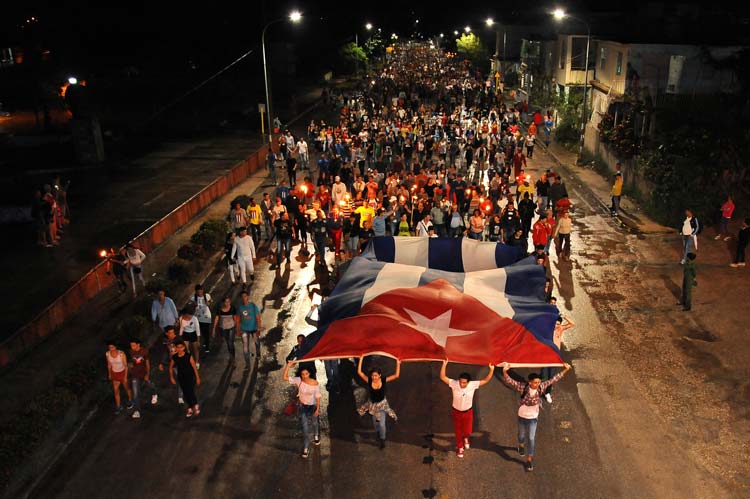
136 31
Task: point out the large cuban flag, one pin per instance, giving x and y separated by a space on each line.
413 312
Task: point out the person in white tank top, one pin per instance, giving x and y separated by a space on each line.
117 368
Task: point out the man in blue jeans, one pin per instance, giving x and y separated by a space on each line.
528 409
284 233
249 327
140 371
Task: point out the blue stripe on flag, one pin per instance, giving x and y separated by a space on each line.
524 288
506 255
445 254
382 249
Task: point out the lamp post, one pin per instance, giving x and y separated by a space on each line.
295 17
559 15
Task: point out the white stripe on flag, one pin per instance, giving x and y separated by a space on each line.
412 250
392 276
488 286
477 255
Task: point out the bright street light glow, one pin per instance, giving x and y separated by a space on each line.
558 14
368 26
455 32
73 80
295 16
441 35
467 28
489 21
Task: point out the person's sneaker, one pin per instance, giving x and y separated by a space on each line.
136 415
548 397
129 404
316 441
460 453
741 264
521 450
118 409
180 400
189 413
197 410
154 399
529 466
734 265
467 444
305 453
728 238
717 237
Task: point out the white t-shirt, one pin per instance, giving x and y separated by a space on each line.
463 397
302 147
307 393
529 411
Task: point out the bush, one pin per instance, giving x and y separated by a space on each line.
131 327
189 251
142 305
156 283
179 271
567 132
211 234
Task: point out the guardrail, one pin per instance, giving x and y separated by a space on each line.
96 280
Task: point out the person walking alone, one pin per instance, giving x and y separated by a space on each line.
743 236
463 400
616 194
688 282
727 209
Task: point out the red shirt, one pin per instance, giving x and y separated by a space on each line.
727 209
539 234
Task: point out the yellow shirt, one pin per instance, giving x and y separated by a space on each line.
617 187
366 214
525 188
255 214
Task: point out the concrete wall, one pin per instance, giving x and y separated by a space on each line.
96 280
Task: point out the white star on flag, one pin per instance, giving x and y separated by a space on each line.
438 328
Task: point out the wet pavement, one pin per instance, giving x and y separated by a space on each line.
624 423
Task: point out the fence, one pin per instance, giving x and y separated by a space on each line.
96 280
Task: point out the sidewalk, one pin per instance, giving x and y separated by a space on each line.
693 366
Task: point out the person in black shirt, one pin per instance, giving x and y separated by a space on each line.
743 236
284 233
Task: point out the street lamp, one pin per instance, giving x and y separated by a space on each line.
489 22
559 15
368 26
467 29
295 17
73 80
455 32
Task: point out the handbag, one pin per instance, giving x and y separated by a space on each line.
291 407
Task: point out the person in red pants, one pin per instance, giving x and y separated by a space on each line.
463 396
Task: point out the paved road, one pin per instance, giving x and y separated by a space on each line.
600 438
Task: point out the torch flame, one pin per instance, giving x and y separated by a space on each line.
103 253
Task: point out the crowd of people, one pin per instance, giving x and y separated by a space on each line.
422 148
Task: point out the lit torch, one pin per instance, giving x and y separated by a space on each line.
103 253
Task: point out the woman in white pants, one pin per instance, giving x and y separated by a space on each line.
244 252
